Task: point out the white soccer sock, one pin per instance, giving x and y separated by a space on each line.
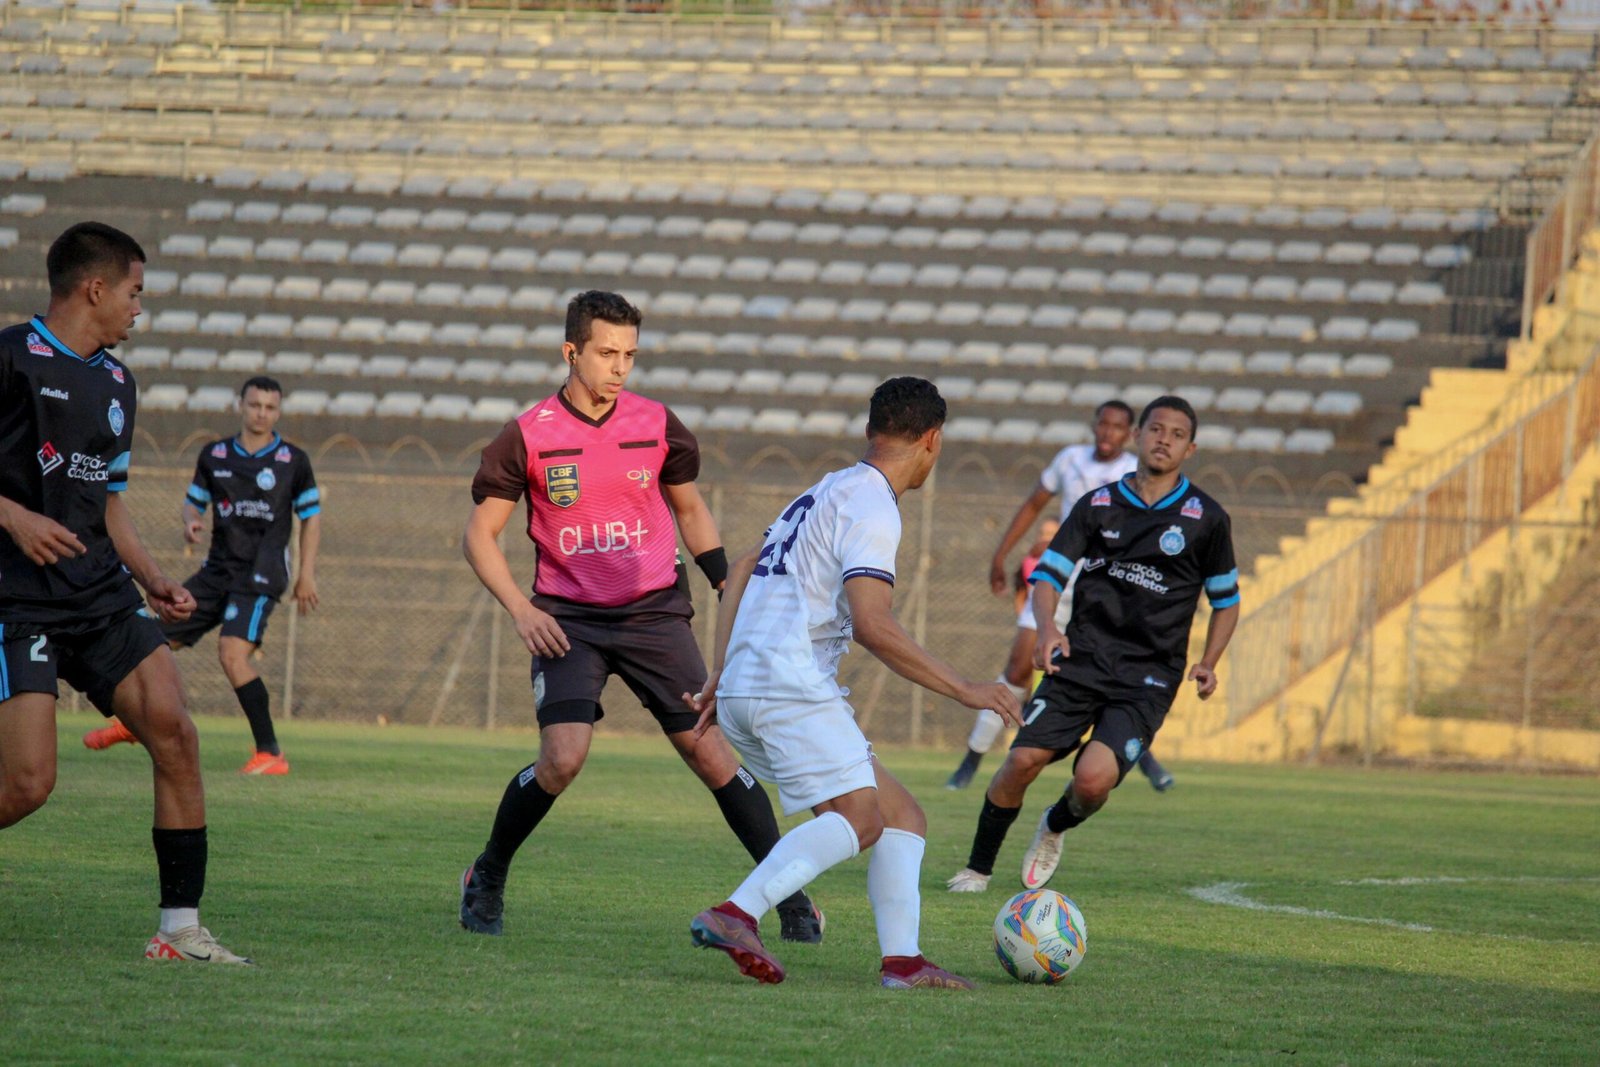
986 729
892 878
175 919
798 857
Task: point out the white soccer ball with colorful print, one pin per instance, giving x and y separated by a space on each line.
1039 936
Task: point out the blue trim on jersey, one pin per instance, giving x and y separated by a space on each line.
5 677
1053 568
1223 582
37 323
310 496
1125 484
197 498
270 445
118 466
316 509
885 478
254 632
869 572
1225 602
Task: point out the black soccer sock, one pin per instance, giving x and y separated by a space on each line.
180 866
993 822
522 807
1065 813
254 700
748 811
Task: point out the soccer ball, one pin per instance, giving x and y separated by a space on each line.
1039 936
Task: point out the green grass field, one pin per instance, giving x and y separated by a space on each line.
341 881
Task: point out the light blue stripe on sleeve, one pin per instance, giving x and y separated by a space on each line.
306 513
1223 582
1225 602
310 496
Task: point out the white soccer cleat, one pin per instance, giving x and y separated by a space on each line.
1043 855
967 880
192 944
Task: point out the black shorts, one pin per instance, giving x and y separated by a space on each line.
653 651
91 657
242 615
1125 720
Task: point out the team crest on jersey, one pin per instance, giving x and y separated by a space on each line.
1131 749
265 479
231 612
1101 499
116 418
1172 541
282 454
116 375
561 484
1192 508
219 451
37 346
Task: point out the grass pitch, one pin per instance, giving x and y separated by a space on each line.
1343 917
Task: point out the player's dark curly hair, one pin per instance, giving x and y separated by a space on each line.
263 383
593 304
87 249
1171 403
905 407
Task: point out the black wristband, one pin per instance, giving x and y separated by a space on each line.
713 563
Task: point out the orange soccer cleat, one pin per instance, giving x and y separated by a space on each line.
266 763
113 733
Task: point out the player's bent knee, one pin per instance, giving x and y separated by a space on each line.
25 794
558 771
868 829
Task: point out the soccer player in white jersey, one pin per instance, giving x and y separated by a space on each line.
1074 471
824 576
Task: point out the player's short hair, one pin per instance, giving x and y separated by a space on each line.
1114 405
88 249
261 382
905 407
1171 403
593 304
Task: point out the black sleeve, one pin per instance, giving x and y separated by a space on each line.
1066 547
307 497
682 464
1221 571
503 468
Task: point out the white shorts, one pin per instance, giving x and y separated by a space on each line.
811 751
1063 608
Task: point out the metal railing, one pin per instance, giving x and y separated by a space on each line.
1556 240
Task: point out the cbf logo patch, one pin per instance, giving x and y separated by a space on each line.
1172 541
561 484
116 373
116 418
219 451
1101 499
1192 508
37 346
282 454
265 479
1131 749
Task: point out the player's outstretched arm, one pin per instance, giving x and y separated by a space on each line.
171 601
1218 633
1021 522
305 585
41 538
705 701
879 632
480 544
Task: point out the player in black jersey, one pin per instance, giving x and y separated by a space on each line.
256 480
1149 544
69 608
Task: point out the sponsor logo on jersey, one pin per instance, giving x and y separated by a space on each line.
1192 508
219 451
116 373
1093 564
1111 535
49 458
55 394
259 579
37 346
642 477
88 468
614 536
561 484
246 509
231 612
1152 680
282 454
1172 541
1131 749
224 508
265 479
545 414
222 472
1140 574
116 418
1101 499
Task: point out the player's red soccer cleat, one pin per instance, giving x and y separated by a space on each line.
114 733
717 929
266 763
916 972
